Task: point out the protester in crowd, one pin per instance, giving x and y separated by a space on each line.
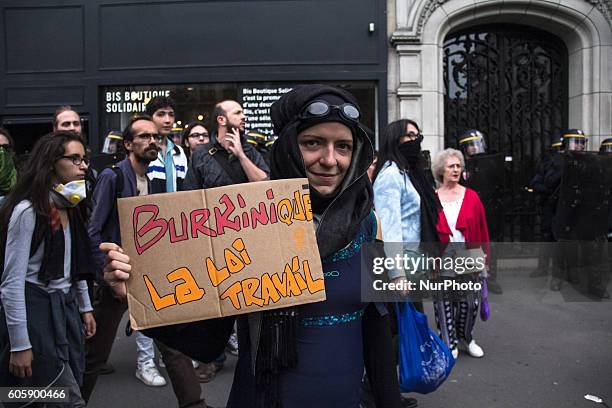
227 159
195 134
404 197
126 179
168 171
322 362
66 119
8 172
46 258
320 138
461 220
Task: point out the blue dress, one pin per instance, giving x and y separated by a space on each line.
330 347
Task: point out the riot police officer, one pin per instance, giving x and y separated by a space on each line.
480 170
547 201
263 144
578 210
574 140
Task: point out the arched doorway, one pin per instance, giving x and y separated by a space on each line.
509 81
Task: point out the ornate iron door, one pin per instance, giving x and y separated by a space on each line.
510 82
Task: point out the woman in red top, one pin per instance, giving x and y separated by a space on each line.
461 219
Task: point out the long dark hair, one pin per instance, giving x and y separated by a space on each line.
423 184
389 145
34 183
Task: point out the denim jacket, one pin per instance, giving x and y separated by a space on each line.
398 206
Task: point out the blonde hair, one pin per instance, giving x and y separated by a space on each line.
439 162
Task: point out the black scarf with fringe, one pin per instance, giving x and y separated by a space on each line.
416 164
50 231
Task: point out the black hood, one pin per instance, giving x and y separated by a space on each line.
352 202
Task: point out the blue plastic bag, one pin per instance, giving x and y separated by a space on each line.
424 360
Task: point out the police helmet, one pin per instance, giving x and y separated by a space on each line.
176 135
472 142
606 146
260 141
112 142
574 140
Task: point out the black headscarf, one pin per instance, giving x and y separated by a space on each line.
430 205
342 212
340 215
409 158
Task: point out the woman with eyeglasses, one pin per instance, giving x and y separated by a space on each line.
404 197
194 135
313 355
404 194
46 259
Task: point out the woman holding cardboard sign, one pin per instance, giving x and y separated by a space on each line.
313 354
462 219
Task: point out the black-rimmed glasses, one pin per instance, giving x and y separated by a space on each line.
412 135
150 136
198 135
76 159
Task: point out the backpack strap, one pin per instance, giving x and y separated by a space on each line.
119 182
222 160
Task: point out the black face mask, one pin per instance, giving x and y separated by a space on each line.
411 151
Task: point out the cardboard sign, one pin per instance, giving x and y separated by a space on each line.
223 251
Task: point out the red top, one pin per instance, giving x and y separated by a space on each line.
471 221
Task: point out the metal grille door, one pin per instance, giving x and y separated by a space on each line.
510 82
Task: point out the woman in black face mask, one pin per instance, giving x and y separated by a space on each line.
404 195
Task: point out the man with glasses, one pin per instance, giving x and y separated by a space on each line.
168 170
127 179
8 173
166 174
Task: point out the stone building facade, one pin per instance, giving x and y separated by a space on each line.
418 29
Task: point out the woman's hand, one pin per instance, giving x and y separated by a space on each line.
117 268
89 323
403 281
20 363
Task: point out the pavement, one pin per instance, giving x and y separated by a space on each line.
541 351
